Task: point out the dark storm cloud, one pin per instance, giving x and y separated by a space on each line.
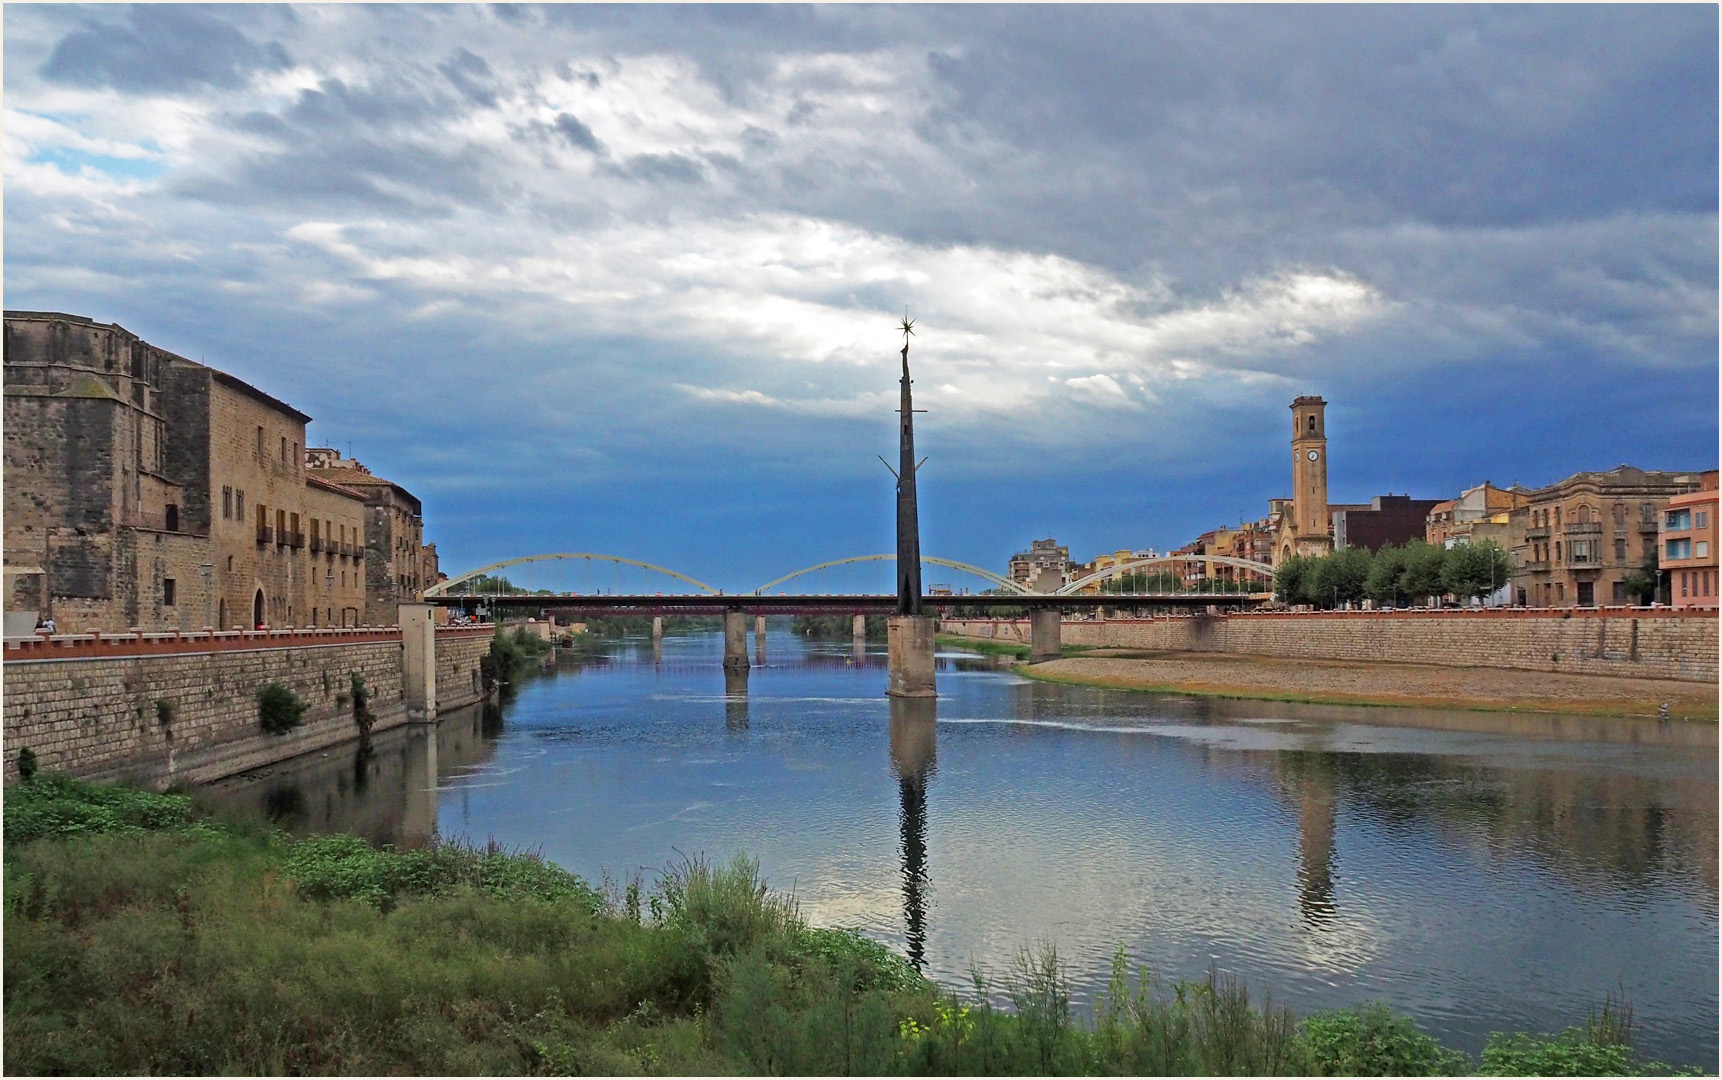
469 74
168 47
577 134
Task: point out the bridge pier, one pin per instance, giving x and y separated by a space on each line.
735 639
911 656
858 629
759 638
1046 628
657 628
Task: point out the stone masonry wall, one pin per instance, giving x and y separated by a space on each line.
458 650
96 716
1639 644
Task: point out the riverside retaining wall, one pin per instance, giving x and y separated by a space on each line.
1638 643
160 708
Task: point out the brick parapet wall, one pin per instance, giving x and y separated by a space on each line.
96 716
458 650
87 705
1646 643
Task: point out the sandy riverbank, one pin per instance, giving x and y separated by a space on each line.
1358 683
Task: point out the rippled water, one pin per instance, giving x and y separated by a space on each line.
1478 871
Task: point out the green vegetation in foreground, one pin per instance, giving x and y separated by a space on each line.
145 937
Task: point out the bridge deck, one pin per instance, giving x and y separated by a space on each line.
852 604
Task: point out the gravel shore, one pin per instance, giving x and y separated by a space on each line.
1231 675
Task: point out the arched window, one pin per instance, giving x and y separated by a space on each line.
1312 424
1557 550
1557 517
1583 515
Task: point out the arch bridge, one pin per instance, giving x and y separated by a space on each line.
695 596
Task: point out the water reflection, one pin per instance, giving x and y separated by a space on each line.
914 759
735 699
1315 874
385 792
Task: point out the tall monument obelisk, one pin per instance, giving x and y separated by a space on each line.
911 633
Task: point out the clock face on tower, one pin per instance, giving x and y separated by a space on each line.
1312 455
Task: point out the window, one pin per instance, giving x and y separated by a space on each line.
171 517
1620 592
1620 551
1647 513
1583 515
1702 549
1678 519
229 570
167 592
1678 549
226 503
296 459
1557 551
259 442
280 526
1620 514
1557 517
239 505
1312 425
294 518
1683 584
1580 551
1701 520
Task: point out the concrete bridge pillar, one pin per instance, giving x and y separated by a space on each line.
858 628
657 628
418 661
1046 627
911 657
759 637
735 639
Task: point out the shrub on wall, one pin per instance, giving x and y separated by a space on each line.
278 708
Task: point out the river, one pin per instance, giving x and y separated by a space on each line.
1479 871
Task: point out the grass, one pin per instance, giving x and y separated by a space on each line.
988 647
144 936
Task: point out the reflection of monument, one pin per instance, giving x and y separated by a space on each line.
914 758
418 823
735 698
1315 846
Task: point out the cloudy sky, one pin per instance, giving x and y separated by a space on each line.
625 279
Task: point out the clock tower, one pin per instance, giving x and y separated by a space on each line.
1309 527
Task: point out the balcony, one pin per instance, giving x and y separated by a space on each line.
316 544
1650 527
346 551
296 539
1535 566
265 534
1537 532
1586 528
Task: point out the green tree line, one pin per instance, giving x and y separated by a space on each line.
1394 576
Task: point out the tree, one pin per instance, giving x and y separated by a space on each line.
1422 576
1289 580
1642 583
1385 570
1472 570
1339 578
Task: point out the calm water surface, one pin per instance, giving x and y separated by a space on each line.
1478 871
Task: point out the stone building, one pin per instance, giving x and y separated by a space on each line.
1575 543
96 529
1687 542
146 490
1303 527
394 533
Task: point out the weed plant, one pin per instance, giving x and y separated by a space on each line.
143 936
